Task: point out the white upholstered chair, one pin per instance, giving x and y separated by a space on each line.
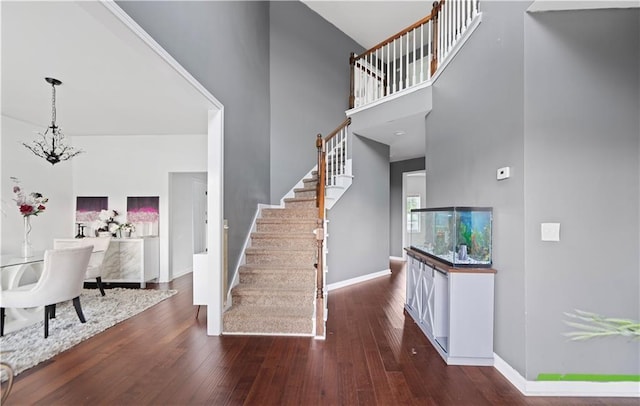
61 280
100 246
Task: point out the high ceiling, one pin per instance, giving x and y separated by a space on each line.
370 22
112 81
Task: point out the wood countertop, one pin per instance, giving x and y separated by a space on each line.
444 267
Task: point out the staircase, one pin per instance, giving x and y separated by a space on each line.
277 284
279 291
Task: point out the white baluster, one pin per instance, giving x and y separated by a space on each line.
440 35
346 144
368 73
449 29
394 66
430 49
422 53
400 71
458 19
361 82
415 55
379 74
407 74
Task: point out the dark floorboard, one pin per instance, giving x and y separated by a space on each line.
374 354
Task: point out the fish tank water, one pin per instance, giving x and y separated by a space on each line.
458 236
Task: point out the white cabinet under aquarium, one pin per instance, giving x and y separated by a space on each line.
453 307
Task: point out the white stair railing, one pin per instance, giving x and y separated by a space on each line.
412 56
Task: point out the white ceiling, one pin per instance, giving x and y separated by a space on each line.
112 81
370 22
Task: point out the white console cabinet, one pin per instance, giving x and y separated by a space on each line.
130 260
453 307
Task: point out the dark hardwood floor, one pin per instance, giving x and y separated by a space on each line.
373 355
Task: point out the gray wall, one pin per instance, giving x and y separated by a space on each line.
309 73
395 201
582 170
358 241
476 127
555 96
225 46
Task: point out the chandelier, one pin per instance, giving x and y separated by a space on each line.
50 145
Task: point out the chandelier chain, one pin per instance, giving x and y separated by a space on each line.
53 106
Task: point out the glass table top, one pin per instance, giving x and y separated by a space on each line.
14 260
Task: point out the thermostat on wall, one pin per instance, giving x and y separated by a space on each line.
503 173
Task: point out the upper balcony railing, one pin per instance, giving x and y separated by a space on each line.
412 56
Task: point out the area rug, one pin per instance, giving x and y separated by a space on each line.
27 347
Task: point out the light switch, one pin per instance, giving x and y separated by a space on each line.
550 231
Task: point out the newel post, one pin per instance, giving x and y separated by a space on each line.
434 46
352 97
319 231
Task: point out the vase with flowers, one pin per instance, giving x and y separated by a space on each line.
29 204
106 224
126 229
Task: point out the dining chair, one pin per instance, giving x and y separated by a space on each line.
100 246
62 279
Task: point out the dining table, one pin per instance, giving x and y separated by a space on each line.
17 271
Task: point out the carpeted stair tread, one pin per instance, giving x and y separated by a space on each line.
277 284
305 188
288 212
259 250
300 199
282 235
245 319
270 288
276 268
271 311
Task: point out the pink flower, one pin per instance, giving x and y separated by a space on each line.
29 204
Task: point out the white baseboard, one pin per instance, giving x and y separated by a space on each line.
181 273
359 279
565 388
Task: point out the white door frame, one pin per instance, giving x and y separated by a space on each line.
405 243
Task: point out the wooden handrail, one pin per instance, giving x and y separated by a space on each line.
320 203
353 59
332 134
434 11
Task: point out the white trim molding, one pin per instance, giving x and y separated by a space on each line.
353 281
565 388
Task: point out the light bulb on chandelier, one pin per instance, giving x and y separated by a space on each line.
50 144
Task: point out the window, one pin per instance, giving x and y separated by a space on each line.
413 225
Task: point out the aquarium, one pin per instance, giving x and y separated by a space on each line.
458 236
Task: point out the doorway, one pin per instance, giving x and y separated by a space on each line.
414 193
187 220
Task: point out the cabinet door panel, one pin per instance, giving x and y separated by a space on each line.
426 310
413 277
